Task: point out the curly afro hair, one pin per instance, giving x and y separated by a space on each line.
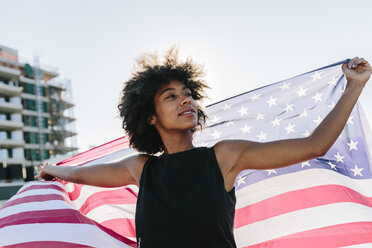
136 103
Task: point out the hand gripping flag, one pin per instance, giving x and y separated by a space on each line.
324 202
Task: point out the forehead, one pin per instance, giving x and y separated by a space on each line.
172 85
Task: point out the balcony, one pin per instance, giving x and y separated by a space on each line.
32 146
10 143
10 90
9 107
64 132
35 129
33 163
32 112
27 80
10 161
33 97
6 125
62 149
9 72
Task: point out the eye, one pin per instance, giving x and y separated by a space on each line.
170 96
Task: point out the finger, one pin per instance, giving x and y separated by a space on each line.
356 62
351 62
344 67
360 61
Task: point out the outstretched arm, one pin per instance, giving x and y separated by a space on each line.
235 156
125 172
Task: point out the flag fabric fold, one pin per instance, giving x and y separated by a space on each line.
324 202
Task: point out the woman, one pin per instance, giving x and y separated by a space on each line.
186 195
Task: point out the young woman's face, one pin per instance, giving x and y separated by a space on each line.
175 109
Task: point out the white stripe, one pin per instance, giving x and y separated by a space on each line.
366 245
299 180
113 157
37 192
34 206
42 183
83 234
367 133
108 212
87 191
302 220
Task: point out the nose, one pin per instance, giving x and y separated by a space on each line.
186 100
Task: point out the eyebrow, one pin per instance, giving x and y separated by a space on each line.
167 89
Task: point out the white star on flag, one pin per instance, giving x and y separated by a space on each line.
269 172
332 105
215 119
306 133
243 111
301 92
333 166
339 157
318 121
317 97
255 97
272 101
226 107
262 136
289 107
306 163
332 83
246 129
352 145
260 116
303 114
216 134
357 171
285 86
290 128
240 180
316 75
350 120
230 123
276 122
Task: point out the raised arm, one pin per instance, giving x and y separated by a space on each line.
125 172
235 156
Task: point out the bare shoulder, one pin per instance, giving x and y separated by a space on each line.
134 164
229 151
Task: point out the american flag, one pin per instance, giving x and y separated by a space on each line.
324 202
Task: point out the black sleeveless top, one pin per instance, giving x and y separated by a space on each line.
182 202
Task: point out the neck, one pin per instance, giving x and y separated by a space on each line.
177 143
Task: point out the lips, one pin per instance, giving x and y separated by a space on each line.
187 111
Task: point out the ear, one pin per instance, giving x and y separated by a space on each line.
152 120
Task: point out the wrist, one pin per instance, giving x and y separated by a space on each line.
355 85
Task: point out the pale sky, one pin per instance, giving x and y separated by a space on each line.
242 44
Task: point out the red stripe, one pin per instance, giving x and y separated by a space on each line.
124 227
330 237
297 200
57 216
96 152
118 196
76 193
34 198
46 186
45 244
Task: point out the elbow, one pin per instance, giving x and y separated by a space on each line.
320 152
318 149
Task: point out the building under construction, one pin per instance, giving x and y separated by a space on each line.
36 119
